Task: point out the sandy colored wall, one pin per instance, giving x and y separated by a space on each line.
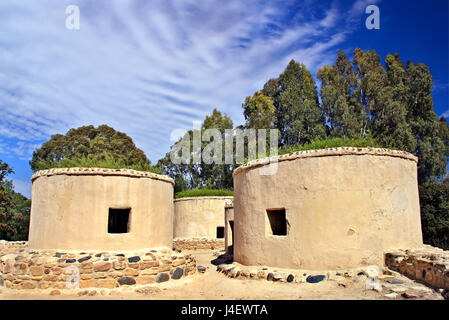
229 218
345 207
199 217
70 209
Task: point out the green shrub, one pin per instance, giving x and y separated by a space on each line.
203 193
367 141
107 162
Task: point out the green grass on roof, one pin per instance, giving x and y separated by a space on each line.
110 163
333 143
203 193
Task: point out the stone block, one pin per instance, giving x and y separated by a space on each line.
131 272
152 271
102 266
106 283
178 262
148 264
177 273
126 281
145 280
119 265
88 283
28 285
162 277
36 270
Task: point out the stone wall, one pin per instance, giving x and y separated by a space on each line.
198 244
12 244
44 269
326 209
429 266
238 271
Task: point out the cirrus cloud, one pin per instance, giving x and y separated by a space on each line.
147 68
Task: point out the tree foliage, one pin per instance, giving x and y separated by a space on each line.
5 200
344 113
259 112
295 98
434 201
14 209
391 100
194 175
88 146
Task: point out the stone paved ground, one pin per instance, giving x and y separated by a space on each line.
215 285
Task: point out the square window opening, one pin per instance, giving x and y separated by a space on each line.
278 222
220 232
118 220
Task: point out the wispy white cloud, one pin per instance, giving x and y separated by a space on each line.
147 68
357 11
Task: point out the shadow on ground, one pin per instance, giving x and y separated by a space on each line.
223 259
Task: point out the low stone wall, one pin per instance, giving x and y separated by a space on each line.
387 282
44 269
198 244
238 271
12 244
429 266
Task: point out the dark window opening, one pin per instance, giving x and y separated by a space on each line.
118 220
220 232
278 222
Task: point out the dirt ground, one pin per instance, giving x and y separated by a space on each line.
213 285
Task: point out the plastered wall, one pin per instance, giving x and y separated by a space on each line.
70 209
344 208
199 217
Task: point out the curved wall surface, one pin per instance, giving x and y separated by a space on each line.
73 209
326 209
199 217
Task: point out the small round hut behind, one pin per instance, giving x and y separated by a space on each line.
199 222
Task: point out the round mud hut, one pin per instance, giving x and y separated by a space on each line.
326 209
199 222
100 209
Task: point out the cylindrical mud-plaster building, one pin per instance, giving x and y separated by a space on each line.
200 217
326 209
100 209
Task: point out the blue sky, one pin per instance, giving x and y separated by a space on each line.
149 67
